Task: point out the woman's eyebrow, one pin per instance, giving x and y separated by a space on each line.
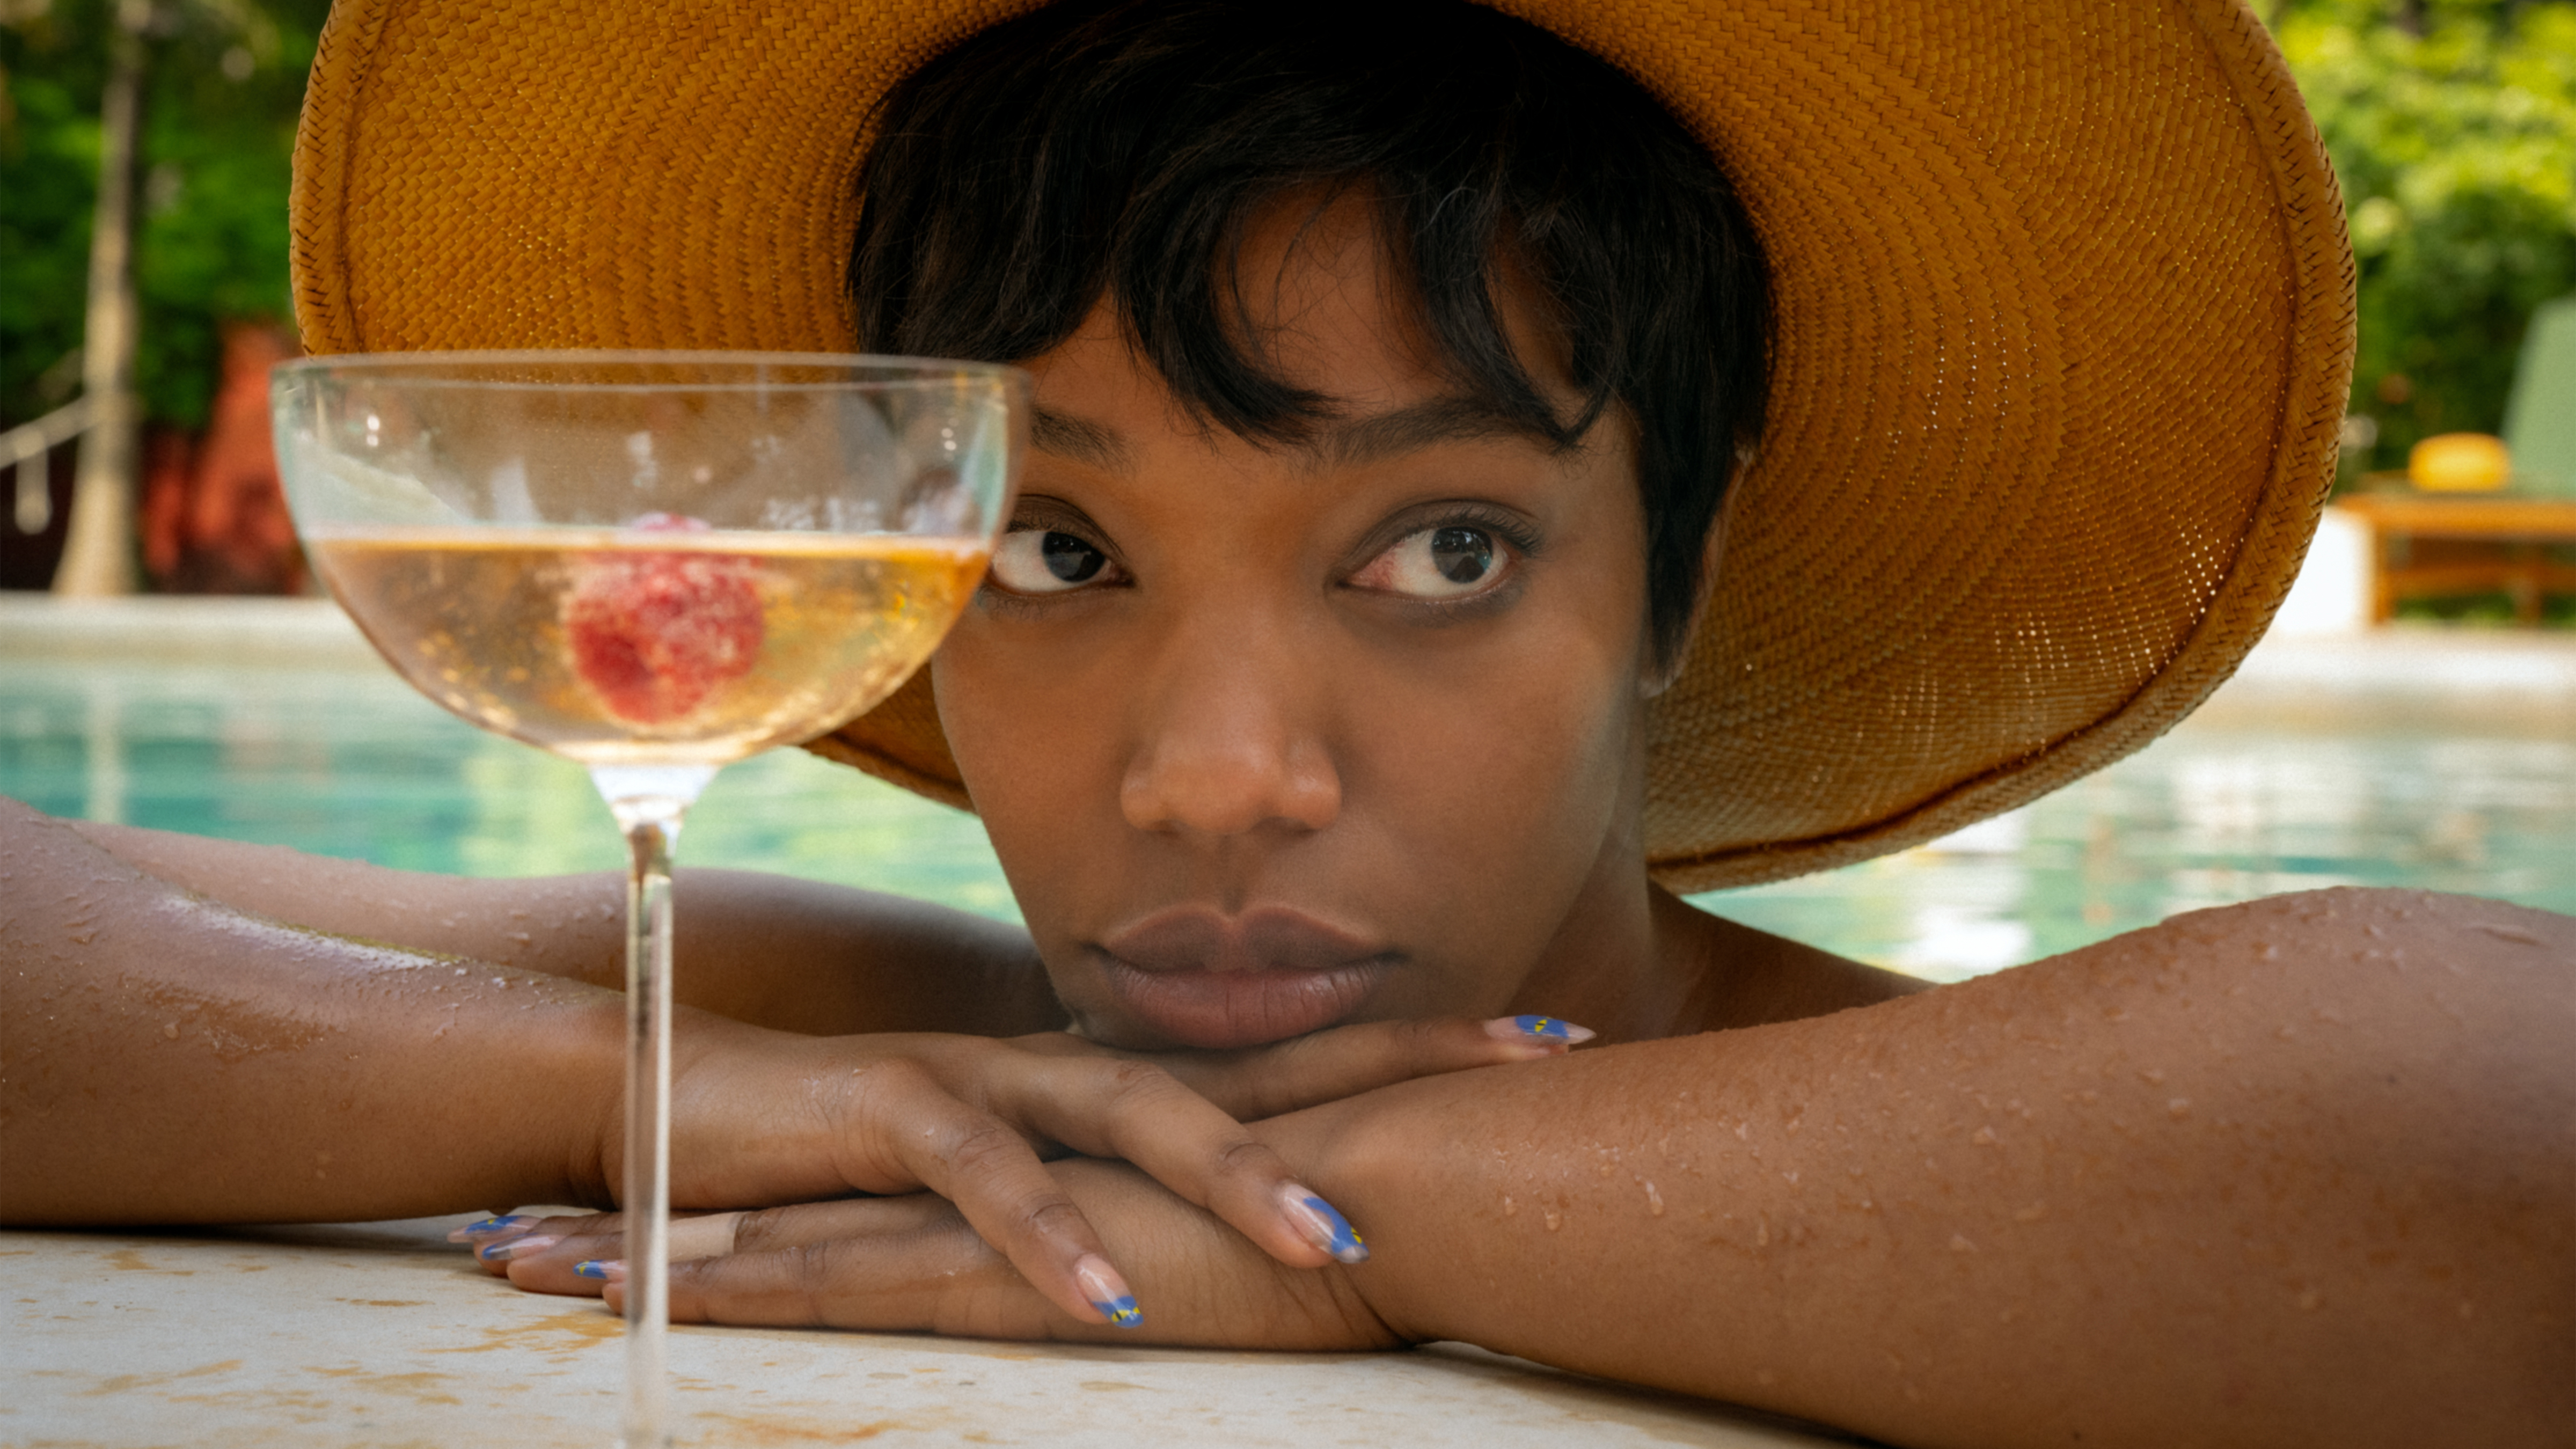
1079 439
1347 442
1446 419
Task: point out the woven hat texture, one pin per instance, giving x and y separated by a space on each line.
2064 328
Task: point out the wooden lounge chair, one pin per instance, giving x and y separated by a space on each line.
2514 540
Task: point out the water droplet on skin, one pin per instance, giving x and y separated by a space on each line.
1555 1219
1985 1137
1654 1201
170 1030
1959 1244
2179 1106
1510 1207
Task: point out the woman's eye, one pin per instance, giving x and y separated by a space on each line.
1043 561
1449 562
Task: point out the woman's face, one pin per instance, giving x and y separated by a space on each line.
1271 738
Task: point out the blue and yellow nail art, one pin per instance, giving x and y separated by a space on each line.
594 1268
493 1227
1543 1028
1121 1311
1339 1239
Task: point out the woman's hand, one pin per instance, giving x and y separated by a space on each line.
913 1263
762 1117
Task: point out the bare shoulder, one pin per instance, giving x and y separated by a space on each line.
798 955
2378 966
2418 1002
2420 947
2345 956
560 925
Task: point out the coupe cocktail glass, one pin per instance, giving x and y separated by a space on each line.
652 563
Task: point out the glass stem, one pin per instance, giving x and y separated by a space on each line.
649 802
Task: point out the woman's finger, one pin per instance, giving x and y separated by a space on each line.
499 1241
938 1275
1140 1112
984 1165
1345 1061
583 1255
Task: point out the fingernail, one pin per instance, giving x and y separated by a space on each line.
502 1226
1107 1291
606 1270
1538 1028
1319 1223
504 1251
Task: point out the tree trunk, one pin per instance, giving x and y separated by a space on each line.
98 551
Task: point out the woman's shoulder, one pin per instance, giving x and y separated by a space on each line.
776 951
2355 941
2356 937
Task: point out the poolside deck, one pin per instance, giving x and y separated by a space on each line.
385 1335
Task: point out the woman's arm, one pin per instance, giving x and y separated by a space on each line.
165 1058
773 951
2302 1171
168 1058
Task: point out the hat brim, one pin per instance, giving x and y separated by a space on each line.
2064 318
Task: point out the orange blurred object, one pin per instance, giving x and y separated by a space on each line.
214 516
2459 463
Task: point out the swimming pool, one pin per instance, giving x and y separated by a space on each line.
2444 760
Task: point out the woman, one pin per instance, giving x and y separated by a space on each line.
1356 658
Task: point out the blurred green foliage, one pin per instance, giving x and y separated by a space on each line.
2453 129
221 83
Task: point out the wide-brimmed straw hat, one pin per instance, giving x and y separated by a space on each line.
2063 330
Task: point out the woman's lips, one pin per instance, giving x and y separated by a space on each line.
1205 979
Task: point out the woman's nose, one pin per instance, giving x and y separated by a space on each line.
1223 748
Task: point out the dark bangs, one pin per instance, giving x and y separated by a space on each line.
1121 148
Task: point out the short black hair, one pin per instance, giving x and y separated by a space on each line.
1120 147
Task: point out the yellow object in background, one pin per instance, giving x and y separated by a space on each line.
2459 463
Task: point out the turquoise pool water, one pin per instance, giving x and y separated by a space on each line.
2259 795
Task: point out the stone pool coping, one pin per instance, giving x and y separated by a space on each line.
383 1335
